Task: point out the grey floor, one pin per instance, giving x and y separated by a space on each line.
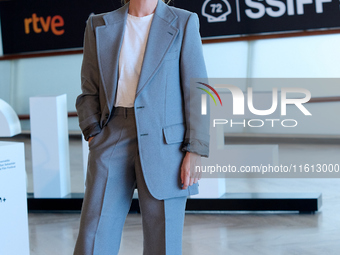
223 232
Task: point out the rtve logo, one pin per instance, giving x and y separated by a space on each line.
218 10
40 24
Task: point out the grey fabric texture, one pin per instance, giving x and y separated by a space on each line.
114 171
167 110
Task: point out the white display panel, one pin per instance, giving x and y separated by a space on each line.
50 146
13 200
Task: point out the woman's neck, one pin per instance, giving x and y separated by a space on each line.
141 8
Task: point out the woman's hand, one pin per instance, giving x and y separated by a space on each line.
90 139
188 174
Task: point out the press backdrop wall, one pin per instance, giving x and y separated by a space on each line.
296 57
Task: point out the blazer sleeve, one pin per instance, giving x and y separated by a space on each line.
87 103
192 67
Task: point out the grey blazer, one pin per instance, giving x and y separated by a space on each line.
167 108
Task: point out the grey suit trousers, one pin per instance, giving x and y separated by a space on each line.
114 171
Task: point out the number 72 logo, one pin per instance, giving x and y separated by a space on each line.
216 10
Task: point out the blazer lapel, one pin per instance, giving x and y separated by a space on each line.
109 42
161 36
110 39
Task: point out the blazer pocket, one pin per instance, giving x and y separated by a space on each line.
174 133
171 55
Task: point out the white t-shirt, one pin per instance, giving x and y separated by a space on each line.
131 58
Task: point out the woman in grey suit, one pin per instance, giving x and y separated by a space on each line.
143 123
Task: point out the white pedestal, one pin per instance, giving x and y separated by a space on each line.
210 188
10 124
13 200
252 155
50 146
237 155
